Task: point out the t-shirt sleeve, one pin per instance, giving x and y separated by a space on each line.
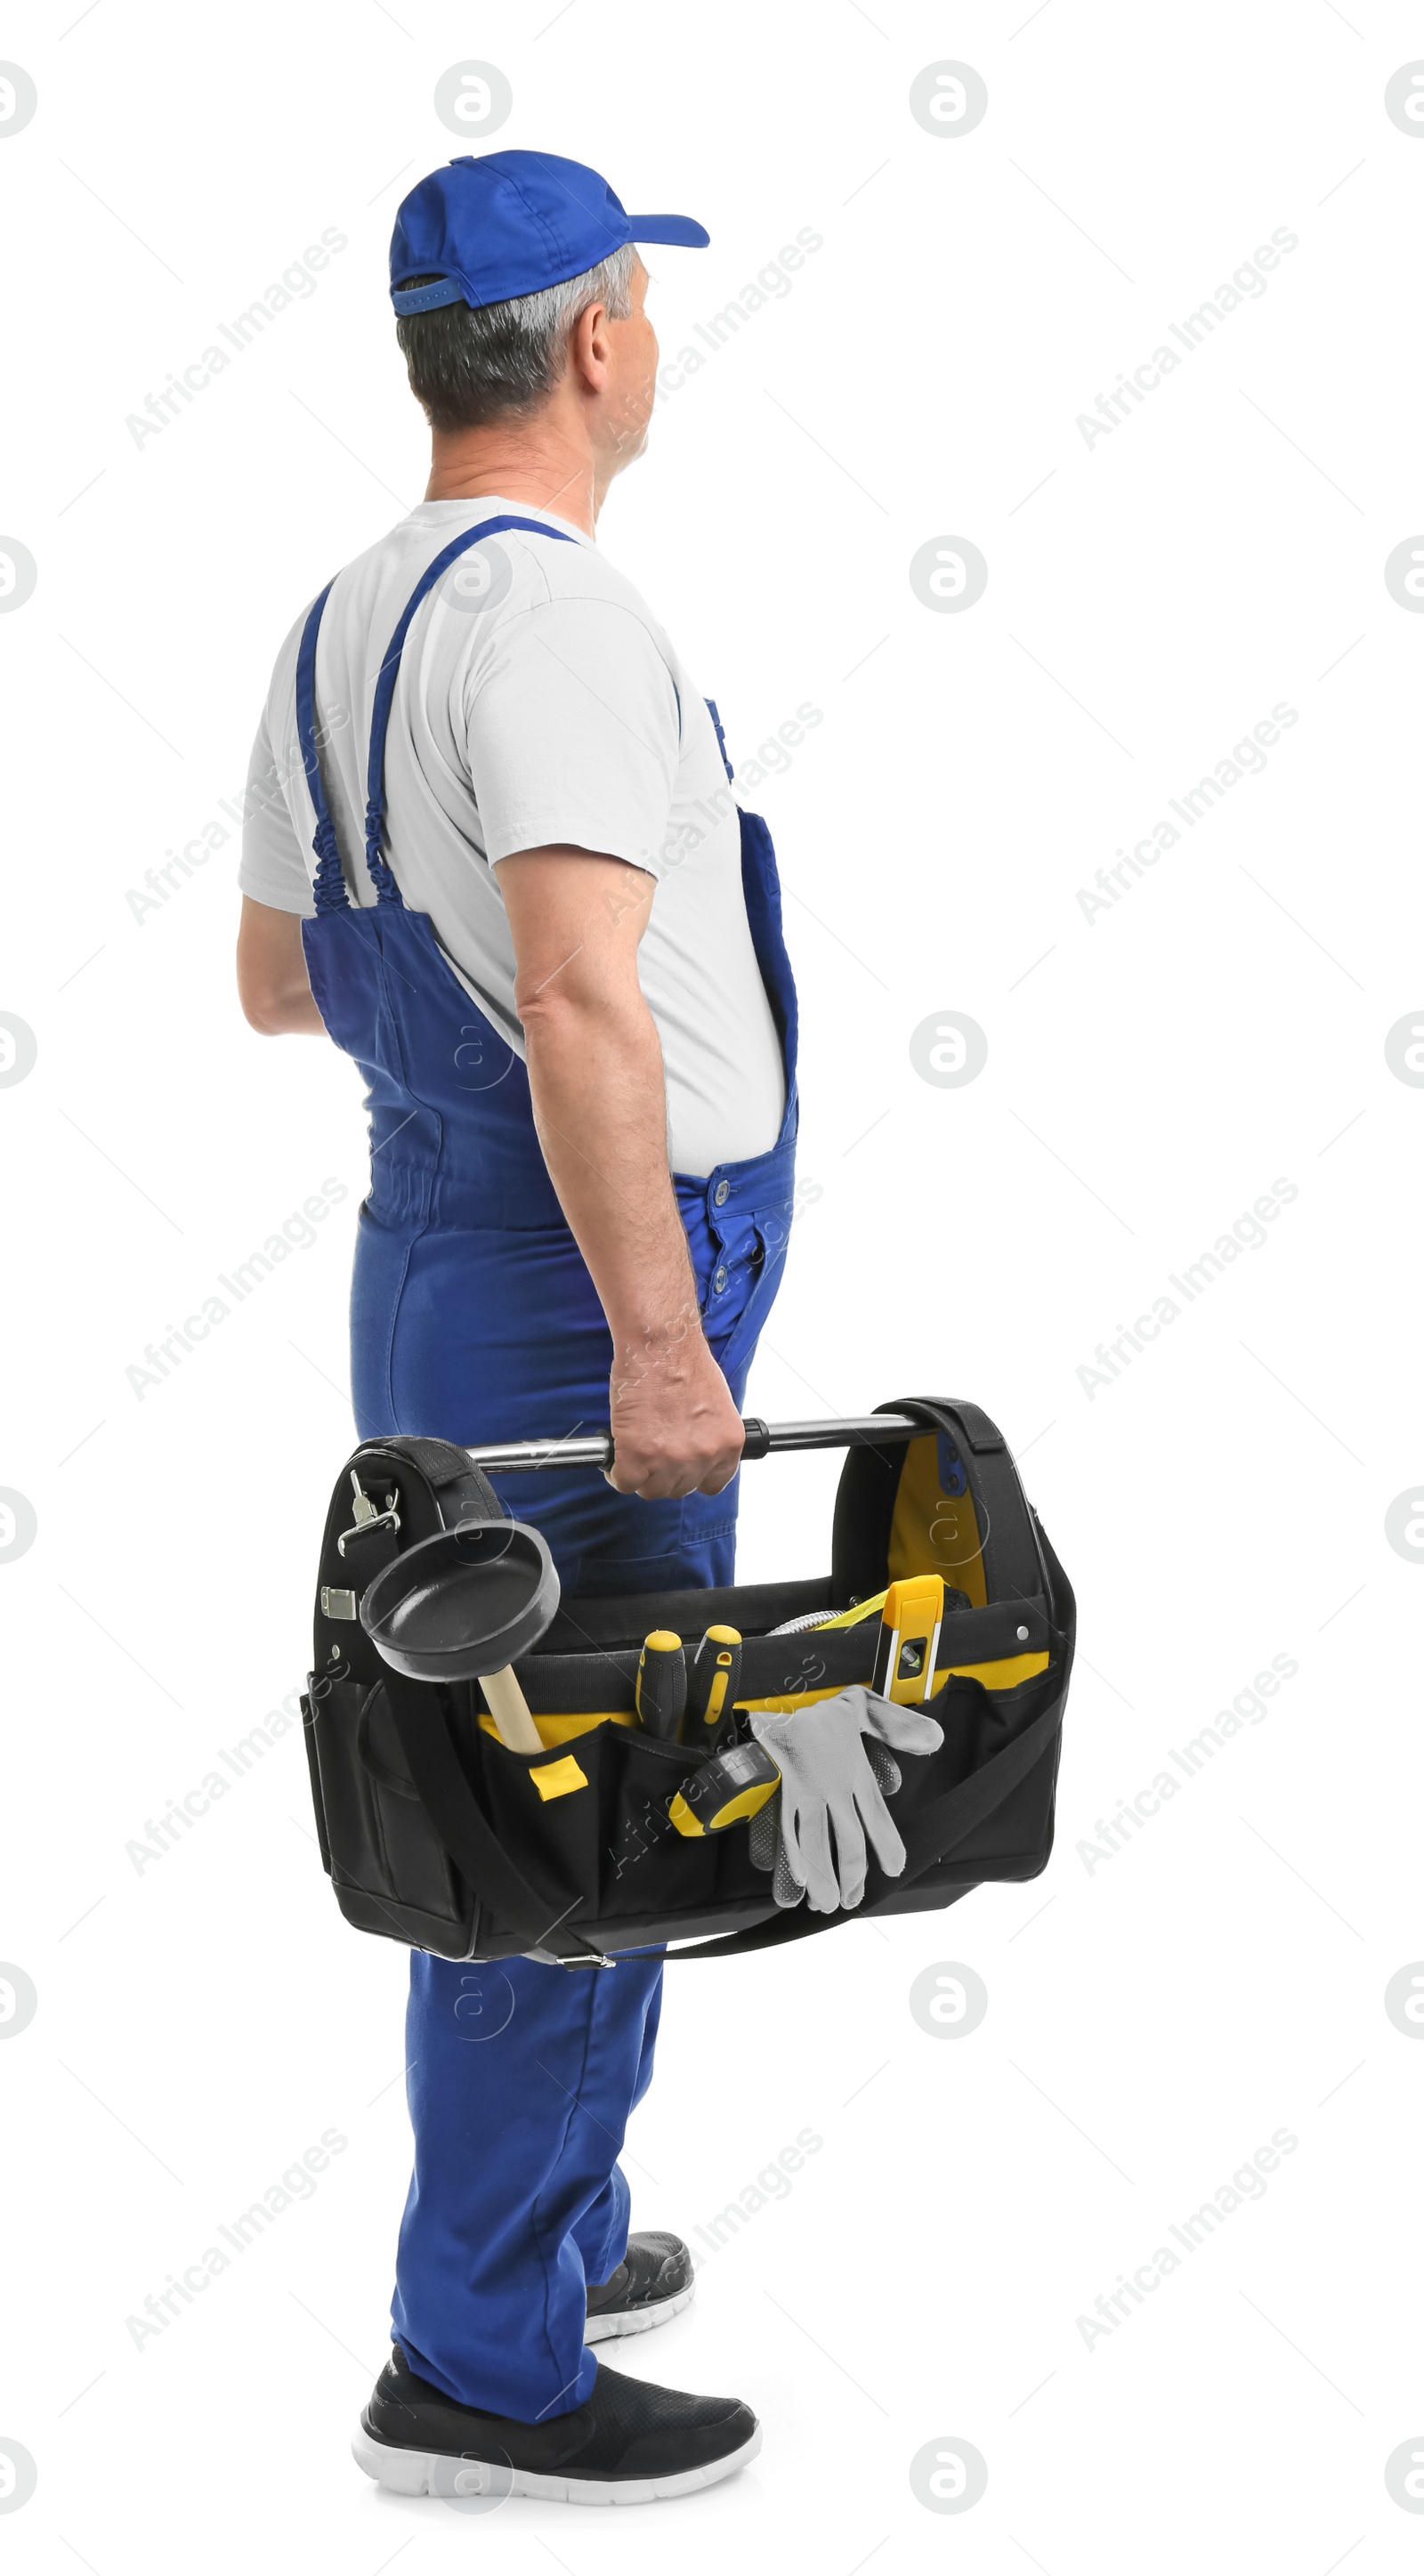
273 868
573 734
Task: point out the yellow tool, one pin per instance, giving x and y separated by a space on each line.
712 1682
725 1791
908 1642
661 1689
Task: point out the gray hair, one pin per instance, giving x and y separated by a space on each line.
468 364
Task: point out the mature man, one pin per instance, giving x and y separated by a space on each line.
539 923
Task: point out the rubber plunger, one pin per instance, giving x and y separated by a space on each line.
461 1606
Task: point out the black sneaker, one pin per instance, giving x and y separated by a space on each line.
629 2444
652 2283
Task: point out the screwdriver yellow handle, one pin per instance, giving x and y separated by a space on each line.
661 1688
712 1686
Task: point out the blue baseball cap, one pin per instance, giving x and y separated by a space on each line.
512 223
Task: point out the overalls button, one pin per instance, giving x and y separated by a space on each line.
721 1194
719 1282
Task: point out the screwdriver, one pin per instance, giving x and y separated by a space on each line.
712 1684
661 1689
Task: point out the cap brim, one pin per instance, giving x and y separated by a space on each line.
679 230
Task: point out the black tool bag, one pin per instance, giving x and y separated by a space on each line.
435 1834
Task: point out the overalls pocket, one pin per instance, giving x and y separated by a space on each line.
745 1276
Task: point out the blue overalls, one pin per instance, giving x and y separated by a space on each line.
474 1319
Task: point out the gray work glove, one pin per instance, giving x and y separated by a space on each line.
766 1850
833 1766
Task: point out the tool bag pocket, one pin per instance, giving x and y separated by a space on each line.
436 1833
589 1821
947 1851
389 1870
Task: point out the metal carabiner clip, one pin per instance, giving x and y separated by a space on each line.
367 1518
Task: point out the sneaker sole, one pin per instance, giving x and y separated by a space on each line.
462 2481
631 2321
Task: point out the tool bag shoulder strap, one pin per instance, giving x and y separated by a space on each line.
390 1493
458 1488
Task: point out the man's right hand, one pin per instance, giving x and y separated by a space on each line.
675 1427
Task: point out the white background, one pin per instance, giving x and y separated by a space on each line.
1152 2020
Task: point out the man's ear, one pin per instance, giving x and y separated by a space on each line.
589 351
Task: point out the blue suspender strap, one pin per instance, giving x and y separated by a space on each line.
386 888
711 706
329 887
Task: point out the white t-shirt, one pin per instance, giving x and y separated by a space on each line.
537 701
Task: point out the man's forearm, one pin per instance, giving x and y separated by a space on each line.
596 1080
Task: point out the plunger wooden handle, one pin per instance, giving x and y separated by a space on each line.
510 1710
